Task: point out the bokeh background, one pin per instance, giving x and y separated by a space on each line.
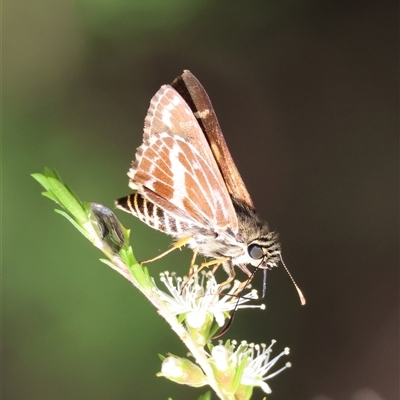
307 95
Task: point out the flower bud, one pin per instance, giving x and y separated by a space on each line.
198 324
183 371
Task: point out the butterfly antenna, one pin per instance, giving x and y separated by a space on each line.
302 298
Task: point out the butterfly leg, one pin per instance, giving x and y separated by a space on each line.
194 269
230 270
192 265
217 262
245 283
177 245
228 267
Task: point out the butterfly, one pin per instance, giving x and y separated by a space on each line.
187 185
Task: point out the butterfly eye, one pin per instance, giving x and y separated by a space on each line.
255 251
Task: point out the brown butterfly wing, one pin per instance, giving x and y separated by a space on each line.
196 97
175 168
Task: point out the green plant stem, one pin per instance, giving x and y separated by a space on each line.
197 351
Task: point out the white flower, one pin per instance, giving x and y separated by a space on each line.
252 359
201 296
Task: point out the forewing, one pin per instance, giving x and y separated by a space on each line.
196 97
169 112
175 169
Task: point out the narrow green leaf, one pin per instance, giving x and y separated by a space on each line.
75 224
61 194
50 196
214 329
42 180
67 200
72 193
238 374
205 396
107 262
52 173
127 255
142 276
181 317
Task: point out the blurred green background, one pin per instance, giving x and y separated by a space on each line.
307 96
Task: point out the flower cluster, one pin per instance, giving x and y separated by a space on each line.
236 368
246 366
200 300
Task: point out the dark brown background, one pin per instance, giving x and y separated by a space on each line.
307 96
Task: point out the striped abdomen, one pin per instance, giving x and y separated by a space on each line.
151 214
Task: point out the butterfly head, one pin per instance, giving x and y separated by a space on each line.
265 251
261 247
